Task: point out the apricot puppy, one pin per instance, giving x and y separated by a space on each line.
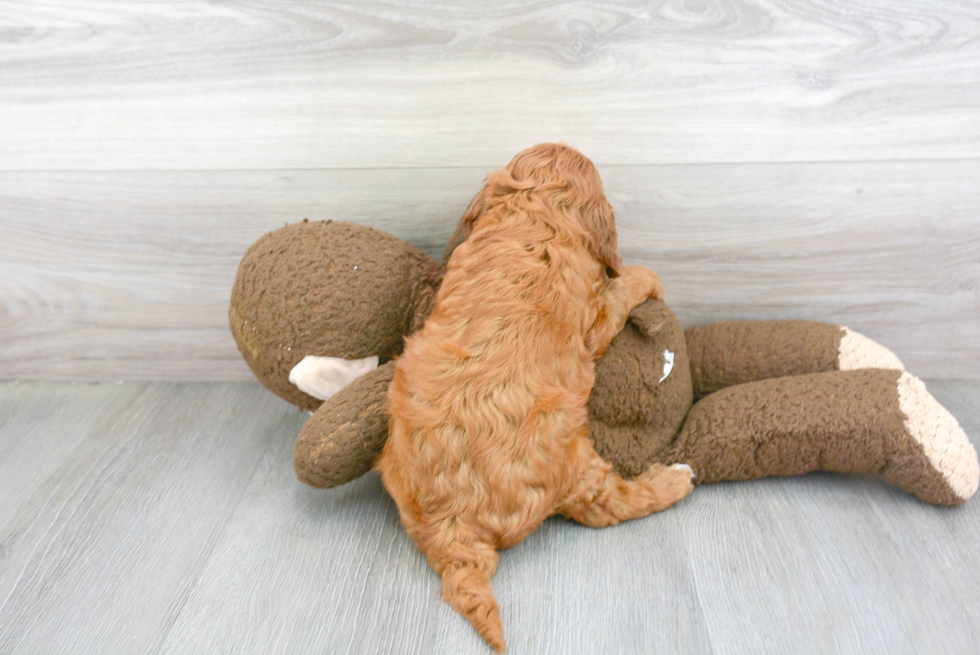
488 421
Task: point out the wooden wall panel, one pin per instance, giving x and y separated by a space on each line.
811 158
118 85
126 275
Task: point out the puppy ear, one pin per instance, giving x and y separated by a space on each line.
458 237
599 221
476 208
465 226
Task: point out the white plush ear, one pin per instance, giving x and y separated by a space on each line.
322 377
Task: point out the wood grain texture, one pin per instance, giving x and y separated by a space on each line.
326 84
42 425
177 526
812 159
127 275
103 554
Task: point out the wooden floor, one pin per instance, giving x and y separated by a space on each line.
165 518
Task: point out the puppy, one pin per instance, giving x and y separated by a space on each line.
488 420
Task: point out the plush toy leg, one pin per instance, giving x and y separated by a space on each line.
726 354
864 421
346 434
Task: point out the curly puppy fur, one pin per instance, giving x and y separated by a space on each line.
488 430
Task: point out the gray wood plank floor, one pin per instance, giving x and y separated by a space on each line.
162 517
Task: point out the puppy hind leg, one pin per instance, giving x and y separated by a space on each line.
603 498
466 570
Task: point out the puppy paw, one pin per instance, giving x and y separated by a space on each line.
685 467
680 481
643 283
669 483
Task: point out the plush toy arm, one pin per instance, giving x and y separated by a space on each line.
862 421
344 436
725 354
652 317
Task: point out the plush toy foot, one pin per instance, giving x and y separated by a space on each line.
863 421
941 439
857 351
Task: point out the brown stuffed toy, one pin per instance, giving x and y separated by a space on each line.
319 311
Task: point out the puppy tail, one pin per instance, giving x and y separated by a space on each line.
466 570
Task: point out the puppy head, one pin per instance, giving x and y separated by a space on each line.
573 185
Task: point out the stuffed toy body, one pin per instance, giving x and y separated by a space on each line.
320 312
736 401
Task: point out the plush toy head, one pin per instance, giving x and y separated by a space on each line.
329 289
643 390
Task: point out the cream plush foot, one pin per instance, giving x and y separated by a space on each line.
946 447
858 351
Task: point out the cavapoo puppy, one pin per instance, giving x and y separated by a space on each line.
488 420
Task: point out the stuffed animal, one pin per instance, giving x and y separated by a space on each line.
320 309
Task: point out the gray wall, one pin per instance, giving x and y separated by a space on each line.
770 160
